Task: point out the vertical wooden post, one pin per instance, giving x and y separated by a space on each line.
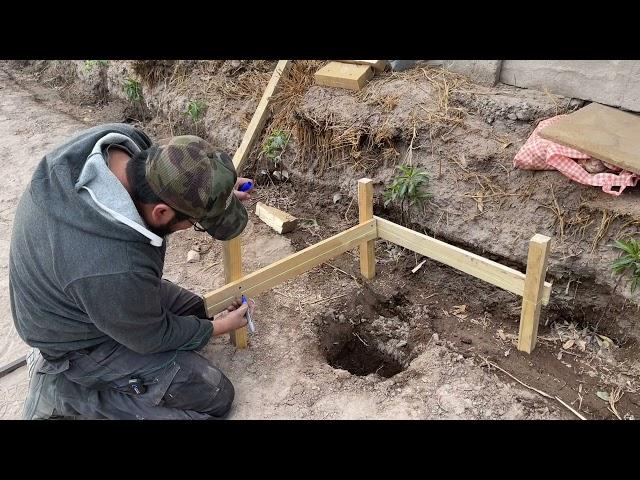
365 203
539 247
232 259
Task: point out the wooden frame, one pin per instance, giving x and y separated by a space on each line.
231 250
532 287
289 267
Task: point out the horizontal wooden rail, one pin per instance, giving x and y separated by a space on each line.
467 262
282 270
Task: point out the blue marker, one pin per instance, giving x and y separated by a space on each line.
245 186
250 325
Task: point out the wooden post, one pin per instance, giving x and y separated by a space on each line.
231 251
539 247
367 253
232 259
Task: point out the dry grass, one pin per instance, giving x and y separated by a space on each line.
603 229
58 74
575 224
152 72
323 144
628 228
489 192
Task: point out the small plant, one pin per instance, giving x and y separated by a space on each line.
630 261
90 64
407 189
274 145
195 109
133 90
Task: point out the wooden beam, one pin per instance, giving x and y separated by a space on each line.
289 267
343 75
475 265
260 116
377 65
232 256
232 259
367 252
280 221
539 247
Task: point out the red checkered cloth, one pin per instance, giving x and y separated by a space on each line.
541 154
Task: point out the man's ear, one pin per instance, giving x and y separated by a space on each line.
161 214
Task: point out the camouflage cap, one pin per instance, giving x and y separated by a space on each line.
196 179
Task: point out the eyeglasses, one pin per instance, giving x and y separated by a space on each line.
197 227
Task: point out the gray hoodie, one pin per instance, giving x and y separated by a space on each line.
83 267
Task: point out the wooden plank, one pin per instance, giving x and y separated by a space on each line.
261 114
602 132
539 248
10 367
232 260
367 249
280 221
475 265
343 75
289 267
377 65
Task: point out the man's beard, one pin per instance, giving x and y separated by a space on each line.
165 230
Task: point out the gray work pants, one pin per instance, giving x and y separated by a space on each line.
96 384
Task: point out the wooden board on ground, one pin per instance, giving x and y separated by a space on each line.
377 65
343 75
280 221
602 132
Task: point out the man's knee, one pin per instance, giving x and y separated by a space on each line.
221 403
200 386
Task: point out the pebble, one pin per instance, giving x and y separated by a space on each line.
193 256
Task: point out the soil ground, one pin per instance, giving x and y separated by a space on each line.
405 345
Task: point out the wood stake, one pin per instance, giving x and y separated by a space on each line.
539 247
232 258
367 252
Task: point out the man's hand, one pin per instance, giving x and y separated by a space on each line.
243 196
232 319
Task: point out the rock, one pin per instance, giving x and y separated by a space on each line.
400 65
435 337
193 256
341 317
337 197
401 344
512 116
